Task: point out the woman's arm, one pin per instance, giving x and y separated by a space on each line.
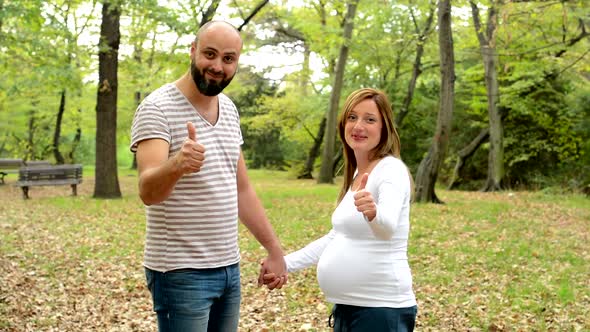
393 189
308 255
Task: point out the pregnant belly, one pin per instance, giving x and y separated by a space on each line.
346 267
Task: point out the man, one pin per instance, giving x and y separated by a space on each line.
193 179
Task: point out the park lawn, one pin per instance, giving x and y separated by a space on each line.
507 261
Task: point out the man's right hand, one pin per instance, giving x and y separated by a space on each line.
191 156
271 279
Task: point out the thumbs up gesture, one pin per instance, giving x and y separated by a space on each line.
363 200
191 156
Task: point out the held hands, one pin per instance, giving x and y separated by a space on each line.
192 154
273 272
364 200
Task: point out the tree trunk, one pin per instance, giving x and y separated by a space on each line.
496 154
30 153
416 70
75 143
137 97
430 165
137 52
337 161
314 152
59 159
465 154
487 43
107 182
326 171
305 76
1 17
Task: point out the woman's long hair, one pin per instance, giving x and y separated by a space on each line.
389 145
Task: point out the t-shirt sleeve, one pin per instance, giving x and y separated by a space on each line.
149 122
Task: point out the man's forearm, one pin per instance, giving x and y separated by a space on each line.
252 215
156 184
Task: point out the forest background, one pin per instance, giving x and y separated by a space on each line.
519 75
488 95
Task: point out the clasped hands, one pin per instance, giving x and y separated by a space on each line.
273 272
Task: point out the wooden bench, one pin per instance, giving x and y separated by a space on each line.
9 166
51 175
34 163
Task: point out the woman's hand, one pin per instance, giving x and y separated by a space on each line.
363 200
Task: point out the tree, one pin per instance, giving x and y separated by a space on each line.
107 181
151 58
464 154
430 165
327 168
487 42
298 30
538 45
417 67
61 17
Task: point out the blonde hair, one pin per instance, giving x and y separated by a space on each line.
389 144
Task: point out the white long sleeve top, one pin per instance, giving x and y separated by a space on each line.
365 263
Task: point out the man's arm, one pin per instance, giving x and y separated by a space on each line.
252 215
158 174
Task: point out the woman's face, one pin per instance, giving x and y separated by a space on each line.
362 130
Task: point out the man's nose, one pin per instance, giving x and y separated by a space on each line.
216 65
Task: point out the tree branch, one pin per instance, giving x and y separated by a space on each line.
477 23
573 63
208 14
254 12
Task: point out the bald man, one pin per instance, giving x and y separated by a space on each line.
193 180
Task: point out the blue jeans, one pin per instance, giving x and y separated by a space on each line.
196 300
349 318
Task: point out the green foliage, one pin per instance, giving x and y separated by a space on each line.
276 124
47 47
42 59
260 131
539 124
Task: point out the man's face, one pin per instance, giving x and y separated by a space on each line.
207 85
214 59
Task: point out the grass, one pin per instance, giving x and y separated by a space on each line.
507 261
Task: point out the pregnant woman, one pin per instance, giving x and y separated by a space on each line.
362 264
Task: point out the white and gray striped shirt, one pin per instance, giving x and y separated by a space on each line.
197 226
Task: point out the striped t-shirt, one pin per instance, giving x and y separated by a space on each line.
197 225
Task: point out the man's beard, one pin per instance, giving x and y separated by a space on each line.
208 87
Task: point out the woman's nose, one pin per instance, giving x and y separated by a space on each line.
357 125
